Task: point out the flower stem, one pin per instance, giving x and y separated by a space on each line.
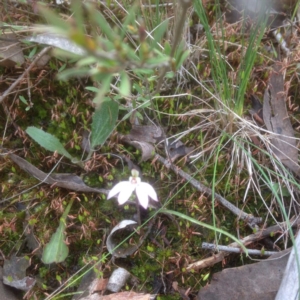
138 212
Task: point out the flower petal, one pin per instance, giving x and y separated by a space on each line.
142 195
126 193
117 189
149 190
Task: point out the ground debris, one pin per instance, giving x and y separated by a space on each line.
277 121
259 281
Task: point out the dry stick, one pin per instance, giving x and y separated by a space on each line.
249 219
236 250
210 261
14 85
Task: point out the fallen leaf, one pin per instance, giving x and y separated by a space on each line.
178 149
258 281
11 53
119 296
117 235
146 133
127 295
145 137
8 293
100 284
277 120
14 273
56 40
148 150
67 181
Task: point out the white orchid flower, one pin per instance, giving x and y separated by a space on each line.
124 189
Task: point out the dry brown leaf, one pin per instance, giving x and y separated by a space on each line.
178 149
126 296
258 281
14 273
10 51
146 133
100 284
148 150
67 181
119 296
145 137
277 120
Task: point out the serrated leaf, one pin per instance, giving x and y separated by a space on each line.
47 141
104 121
57 250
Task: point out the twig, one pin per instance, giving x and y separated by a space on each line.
249 219
236 250
210 261
13 86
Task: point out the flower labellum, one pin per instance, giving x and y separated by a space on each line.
124 189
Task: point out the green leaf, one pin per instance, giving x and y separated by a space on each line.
167 48
92 89
87 61
57 250
99 19
158 34
158 61
192 220
104 121
130 18
60 25
183 56
76 8
48 141
140 72
23 99
105 87
73 72
125 86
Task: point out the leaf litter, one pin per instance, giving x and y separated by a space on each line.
149 143
276 118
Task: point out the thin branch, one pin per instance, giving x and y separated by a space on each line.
210 261
249 219
236 250
14 85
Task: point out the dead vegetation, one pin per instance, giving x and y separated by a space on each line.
206 111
